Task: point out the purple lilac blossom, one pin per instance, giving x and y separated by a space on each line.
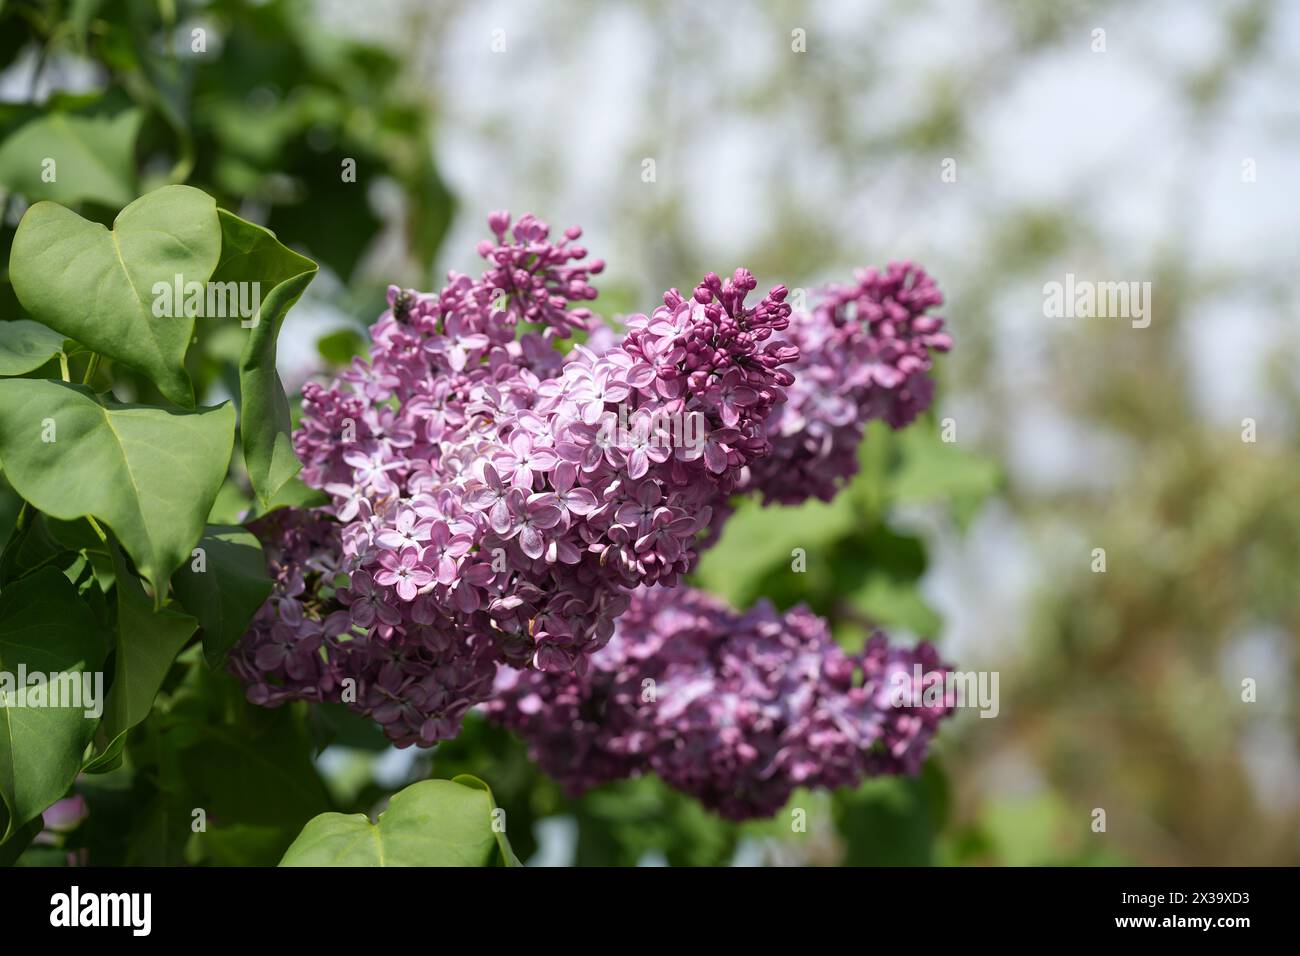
489 520
414 675
485 501
864 353
735 709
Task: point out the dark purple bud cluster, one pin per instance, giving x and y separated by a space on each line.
735 709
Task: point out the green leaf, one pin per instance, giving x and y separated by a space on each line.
250 253
338 348
158 829
92 154
148 641
508 857
21 839
758 539
27 345
293 494
242 845
893 603
47 629
893 821
80 13
620 824
107 759
1036 830
150 473
232 505
254 767
430 823
98 286
316 178
227 593
31 546
433 207
932 469
879 573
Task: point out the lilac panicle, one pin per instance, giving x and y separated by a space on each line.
735 709
496 499
865 353
509 523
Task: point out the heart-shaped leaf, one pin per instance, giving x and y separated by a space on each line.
27 345
100 287
225 588
251 254
430 823
72 157
151 474
47 629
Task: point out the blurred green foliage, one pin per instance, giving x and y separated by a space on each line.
254 103
857 570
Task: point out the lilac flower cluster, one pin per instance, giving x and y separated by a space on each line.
736 709
290 651
864 354
486 497
496 505
318 630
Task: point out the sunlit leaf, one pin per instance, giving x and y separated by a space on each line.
98 285
149 473
251 254
430 823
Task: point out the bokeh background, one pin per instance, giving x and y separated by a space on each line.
803 140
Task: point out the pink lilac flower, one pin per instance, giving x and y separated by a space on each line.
865 353
473 498
406 572
516 456
495 502
735 709
302 552
412 673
